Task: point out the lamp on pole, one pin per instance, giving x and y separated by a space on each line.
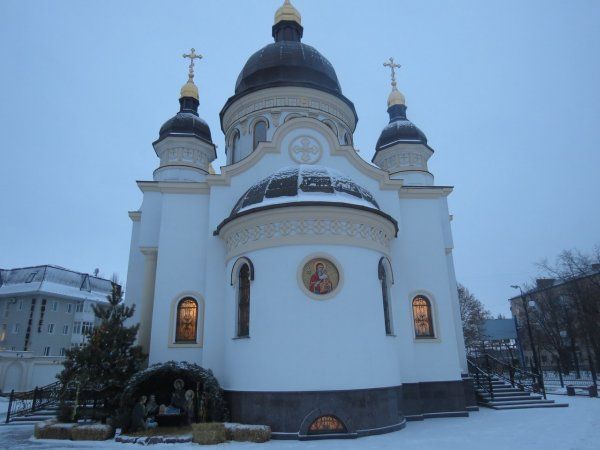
536 367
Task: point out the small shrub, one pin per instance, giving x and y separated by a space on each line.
208 433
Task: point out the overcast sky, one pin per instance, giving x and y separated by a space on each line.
507 93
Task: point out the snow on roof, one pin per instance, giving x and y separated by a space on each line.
304 183
54 280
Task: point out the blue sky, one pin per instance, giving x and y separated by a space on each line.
507 93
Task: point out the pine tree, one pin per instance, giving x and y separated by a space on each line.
109 357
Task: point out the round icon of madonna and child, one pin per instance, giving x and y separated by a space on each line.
320 276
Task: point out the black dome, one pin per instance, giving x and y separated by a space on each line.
186 123
400 129
287 63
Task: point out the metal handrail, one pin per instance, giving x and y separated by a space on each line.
23 403
517 377
483 380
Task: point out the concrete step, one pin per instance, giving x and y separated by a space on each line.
519 402
542 405
31 418
512 397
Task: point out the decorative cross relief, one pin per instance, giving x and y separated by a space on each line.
305 150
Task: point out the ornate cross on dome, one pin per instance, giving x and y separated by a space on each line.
392 65
192 55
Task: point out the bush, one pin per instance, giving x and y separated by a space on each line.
93 432
65 413
248 433
208 433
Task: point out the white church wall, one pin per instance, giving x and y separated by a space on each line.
420 267
180 268
135 268
151 215
299 343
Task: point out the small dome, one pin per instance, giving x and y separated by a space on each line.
185 124
189 89
396 98
400 129
287 12
301 184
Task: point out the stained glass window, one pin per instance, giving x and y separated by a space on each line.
243 325
422 316
326 425
385 292
260 133
187 320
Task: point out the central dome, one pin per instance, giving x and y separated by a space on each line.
287 63
305 185
301 184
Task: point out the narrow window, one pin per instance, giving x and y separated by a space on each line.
422 317
69 308
260 133
79 307
65 329
63 351
233 145
16 328
243 313
187 320
385 294
46 351
50 328
21 304
54 305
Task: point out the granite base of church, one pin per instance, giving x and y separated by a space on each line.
360 412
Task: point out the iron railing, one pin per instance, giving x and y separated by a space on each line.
24 403
482 379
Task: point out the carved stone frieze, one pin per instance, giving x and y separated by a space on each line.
311 230
243 109
184 155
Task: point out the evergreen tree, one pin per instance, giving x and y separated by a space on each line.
108 358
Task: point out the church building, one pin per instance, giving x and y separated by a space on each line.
318 287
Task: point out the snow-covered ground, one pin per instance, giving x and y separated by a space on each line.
574 428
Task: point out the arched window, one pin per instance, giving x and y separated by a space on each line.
422 317
260 133
187 320
233 143
243 306
385 294
347 140
331 126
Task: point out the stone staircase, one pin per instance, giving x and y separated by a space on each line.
40 415
505 396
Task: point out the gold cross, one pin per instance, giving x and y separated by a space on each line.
392 65
192 55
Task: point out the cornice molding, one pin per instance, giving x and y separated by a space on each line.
307 225
174 187
135 216
425 191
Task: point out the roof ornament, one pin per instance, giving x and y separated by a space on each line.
189 89
287 12
395 97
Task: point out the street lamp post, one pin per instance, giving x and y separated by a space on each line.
537 368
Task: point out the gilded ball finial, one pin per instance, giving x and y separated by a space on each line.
395 97
189 89
287 12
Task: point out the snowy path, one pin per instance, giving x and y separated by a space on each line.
574 428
